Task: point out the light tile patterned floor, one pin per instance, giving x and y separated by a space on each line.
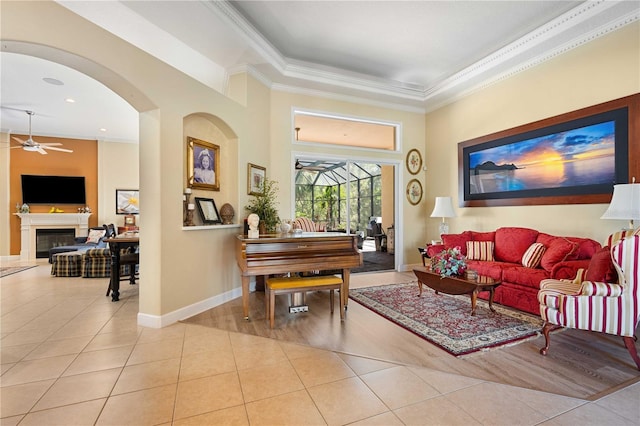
71 356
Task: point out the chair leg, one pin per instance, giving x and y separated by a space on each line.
546 329
331 299
272 308
630 344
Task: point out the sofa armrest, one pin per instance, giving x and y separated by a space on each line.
80 240
433 249
568 270
593 288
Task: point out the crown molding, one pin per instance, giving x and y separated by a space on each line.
611 14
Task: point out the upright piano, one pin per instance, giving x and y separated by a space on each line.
296 252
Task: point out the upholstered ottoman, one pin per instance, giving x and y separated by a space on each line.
67 264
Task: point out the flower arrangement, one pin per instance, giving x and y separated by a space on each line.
449 262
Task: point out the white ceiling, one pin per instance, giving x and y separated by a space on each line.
412 55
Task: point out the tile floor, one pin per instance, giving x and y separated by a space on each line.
70 356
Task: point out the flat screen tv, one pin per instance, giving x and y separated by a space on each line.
37 189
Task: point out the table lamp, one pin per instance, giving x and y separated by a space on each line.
625 203
443 209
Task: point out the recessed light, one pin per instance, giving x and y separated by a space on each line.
103 129
69 100
53 81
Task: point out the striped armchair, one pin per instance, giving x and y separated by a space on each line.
597 306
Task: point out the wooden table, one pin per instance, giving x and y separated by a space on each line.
116 245
457 285
302 252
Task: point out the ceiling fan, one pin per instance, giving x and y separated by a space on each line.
308 167
31 145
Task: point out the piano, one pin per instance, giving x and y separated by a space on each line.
296 252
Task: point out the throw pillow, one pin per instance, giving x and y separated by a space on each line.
456 240
533 256
557 252
480 250
95 235
512 242
601 267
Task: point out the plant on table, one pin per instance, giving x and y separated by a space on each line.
450 262
264 204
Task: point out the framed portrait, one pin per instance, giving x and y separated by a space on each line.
573 158
127 201
414 161
203 164
208 210
414 191
255 178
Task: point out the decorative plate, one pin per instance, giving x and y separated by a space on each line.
414 161
414 191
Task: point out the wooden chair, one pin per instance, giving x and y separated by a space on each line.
611 308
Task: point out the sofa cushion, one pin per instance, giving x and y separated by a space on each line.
524 276
95 235
488 269
601 267
585 250
558 251
480 250
456 240
532 257
512 242
483 236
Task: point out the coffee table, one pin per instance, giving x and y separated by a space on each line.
457 285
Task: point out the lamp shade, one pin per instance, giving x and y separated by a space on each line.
443 208
625 203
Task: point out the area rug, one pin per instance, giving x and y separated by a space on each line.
446 320
8 270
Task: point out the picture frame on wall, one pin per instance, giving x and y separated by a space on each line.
572 158
127 201
414 161
203 164
255 178
414 192
208 210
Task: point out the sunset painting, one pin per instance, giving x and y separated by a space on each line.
582 156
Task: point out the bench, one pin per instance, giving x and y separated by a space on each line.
288 285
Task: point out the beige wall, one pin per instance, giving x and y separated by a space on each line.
117 169
605 69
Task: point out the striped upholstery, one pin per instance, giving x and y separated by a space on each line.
307 225
67 264
96 263
480 250
598 306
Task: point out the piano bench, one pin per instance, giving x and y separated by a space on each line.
288 285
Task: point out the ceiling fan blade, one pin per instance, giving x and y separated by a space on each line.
19 140
41 151
57 149
51 144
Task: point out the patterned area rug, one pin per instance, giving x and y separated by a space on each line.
446 320
8 270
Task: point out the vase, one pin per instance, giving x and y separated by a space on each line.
227 213
262 228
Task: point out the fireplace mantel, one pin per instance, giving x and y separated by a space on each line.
32 221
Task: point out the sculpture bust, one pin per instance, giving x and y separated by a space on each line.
253 220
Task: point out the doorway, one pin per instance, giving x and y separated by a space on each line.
352 196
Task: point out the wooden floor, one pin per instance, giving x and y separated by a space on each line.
580 364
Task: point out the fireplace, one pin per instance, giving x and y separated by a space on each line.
49 238
31 223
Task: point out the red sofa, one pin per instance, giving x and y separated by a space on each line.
499 254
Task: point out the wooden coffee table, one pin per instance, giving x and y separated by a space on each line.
457 285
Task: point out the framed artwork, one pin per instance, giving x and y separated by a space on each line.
414 161
208 210
130 220
255 178
127 201
573 158
203 164
414 191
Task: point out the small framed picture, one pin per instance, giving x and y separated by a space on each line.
130 220
414 161
255 179
208 210
127 201
203 164
414 191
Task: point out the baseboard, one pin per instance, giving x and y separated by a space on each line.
155 321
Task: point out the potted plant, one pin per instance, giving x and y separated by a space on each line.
264 205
